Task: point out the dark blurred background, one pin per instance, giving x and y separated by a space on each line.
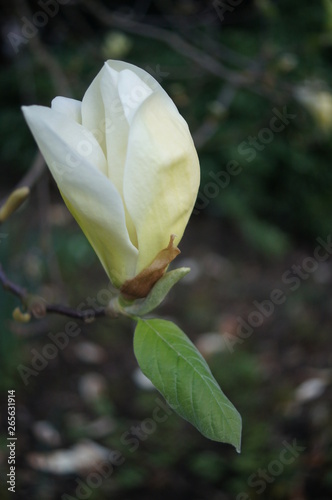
252 79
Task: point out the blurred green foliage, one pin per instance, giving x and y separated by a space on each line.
279 200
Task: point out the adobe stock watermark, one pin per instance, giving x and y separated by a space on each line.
148 426
40 359
30 26
262 477
157 73
131 14
57 342
248 149
265 136
223 6
132 439
292 278
102 471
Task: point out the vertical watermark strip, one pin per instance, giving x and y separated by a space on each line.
11 444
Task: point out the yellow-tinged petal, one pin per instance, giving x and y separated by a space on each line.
91 197
116 134
103 114
161 176
126 166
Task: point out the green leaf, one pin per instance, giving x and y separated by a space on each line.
141 307
176 368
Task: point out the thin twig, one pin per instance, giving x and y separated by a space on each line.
38 306
251 76
170 38
87 315
12 287
34 172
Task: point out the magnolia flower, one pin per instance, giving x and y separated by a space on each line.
127 169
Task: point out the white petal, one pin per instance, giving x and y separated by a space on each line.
90 196
132 91
93 112
116 127
69 107
116 132
80 143
148 79
124 88
161 175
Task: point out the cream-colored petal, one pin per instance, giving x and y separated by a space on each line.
105 234
146 77
117 131
69 107
132 85
132 91
161 175
93 111
116 136
80 142
91 197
